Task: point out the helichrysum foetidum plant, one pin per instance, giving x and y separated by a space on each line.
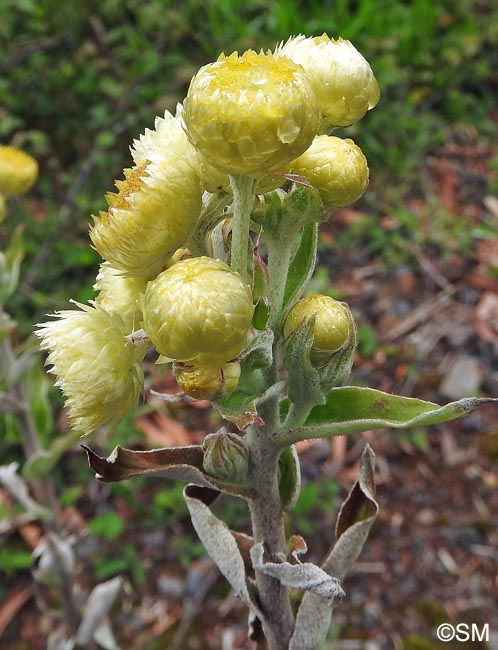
208 246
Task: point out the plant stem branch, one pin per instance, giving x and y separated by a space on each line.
242 187
268 527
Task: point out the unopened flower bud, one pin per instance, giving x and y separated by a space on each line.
341 77
208 382
198 311
333 326
18 171
336 167
226 456
96 368
251 114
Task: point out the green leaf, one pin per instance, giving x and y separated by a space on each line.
301 266
304 379
37 386
43 461
352 409
108 525
10 264
289 484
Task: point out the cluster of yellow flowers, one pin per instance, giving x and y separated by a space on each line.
259 115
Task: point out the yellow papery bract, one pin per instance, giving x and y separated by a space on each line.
333 328
96 367
250 114
208 382
198 311
18 171
341 77
120 295
336 167
157 205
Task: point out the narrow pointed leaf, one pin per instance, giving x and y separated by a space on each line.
306 576
43 461
289 484
355 519
303 378
302 265
219 543
352 409
176 463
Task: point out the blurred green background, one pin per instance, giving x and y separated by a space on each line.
79 81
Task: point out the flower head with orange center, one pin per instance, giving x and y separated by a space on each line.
157 205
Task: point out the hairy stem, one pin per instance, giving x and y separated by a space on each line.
242 187
268 527
279 256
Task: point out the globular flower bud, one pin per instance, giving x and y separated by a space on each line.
18 171
226 456
120 295
96 368
333 327
341 77
250 114
198 311
157 205
336 167
208 382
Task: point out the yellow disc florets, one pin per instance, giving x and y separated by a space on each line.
251 114
336 167
96 367
198 311
341 77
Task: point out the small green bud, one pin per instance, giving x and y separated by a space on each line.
206 382
226 456
333 325
198 311
337 168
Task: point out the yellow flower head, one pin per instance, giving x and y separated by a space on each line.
208 382
18 171
157 205
336 167
250 114
96 367
341 77
198 311
120 295
333 328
